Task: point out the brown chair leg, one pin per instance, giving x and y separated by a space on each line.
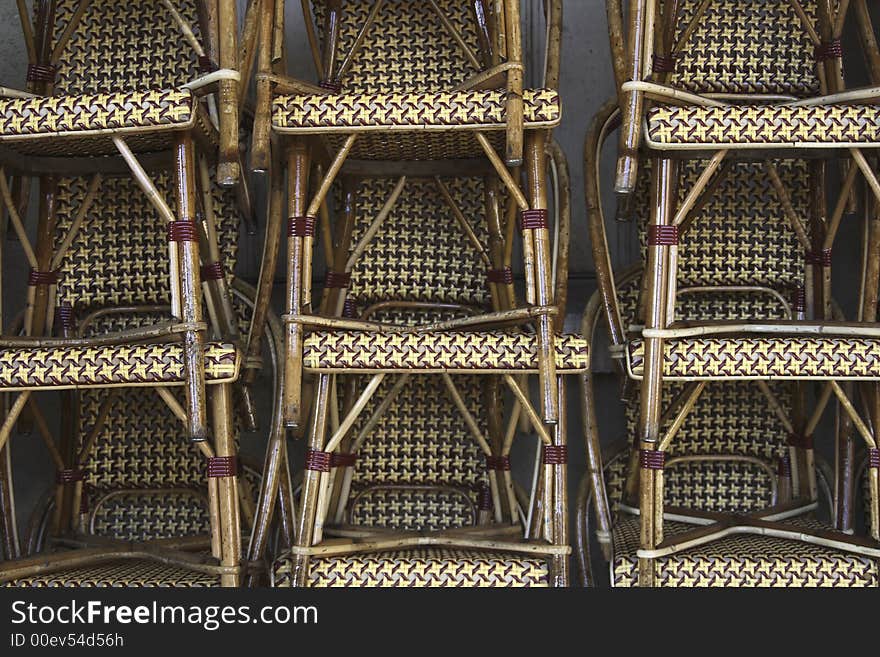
315 468
224 468
536 228
560 568
659 280
298 184
185 233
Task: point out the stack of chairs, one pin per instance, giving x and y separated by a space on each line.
130 126
727 333
419 352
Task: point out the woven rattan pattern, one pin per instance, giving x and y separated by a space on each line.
741 236
120 254
413 509
747 46
421 568
743 560
122 573
763 125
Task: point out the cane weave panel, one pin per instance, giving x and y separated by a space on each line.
422 440
419 252
152 514
408 112
119 256
463 352
125 45
407 47
414 509
767 358
742 561
746 47
116 365
121 573
421 568
763 125
740 237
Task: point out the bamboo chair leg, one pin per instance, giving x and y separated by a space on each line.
224 446
844 471
659 275
271 248
536 170
298 185
10 546
228 170
560 566
312 481
189 276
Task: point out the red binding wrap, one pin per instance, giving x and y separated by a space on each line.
222 466
799 299
42 277
301 226
798 440
784 466
343 460
533 219
69 476
663 63
214 271
41 73
498 463
554 455
662 235
337 279
819 258
829 50
318 461
349 309
652 459
183 231
504 275
207 65
64 317
874 458
484 499
331 85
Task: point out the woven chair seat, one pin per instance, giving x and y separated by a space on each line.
120 573
426 567
453 113
763 358
763 126
357 351
107 366
742 560
83 124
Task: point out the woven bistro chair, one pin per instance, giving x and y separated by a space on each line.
408 483
134 504
115 87
733 475
767 98
407 87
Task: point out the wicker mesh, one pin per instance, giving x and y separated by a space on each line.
420 254
741 237
125 45
407 47
120 254
747 46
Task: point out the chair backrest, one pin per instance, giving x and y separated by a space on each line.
731 449
420 468
407 47
124 45
747 47
143 480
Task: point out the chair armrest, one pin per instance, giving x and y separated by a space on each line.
206 84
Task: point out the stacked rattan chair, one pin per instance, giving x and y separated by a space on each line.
417 98
147 491
734 295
